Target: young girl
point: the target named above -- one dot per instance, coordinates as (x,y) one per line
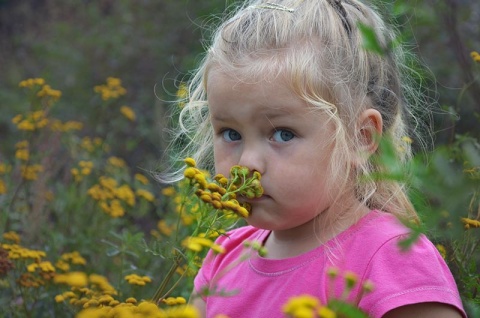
(288,90)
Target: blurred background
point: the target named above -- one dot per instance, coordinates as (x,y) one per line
(151,45)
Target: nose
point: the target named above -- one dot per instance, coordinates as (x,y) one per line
(253,157)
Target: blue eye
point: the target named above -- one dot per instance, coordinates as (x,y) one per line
(231,135)
(283,135)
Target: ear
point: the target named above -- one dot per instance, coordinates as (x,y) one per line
(368,132)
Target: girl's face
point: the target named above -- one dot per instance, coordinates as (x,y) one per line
(263,125)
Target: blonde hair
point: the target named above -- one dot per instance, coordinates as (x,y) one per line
(317,46)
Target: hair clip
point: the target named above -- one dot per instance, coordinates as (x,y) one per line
(273,6)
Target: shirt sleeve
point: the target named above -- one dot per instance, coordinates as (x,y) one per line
(406,277)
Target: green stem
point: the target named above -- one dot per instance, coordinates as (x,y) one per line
(159,294)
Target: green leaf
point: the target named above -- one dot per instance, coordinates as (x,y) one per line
(370,40)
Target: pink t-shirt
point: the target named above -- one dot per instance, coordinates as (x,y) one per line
(258,287)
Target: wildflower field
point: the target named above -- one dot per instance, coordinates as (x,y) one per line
(87,231)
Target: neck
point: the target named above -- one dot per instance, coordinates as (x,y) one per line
(306,237)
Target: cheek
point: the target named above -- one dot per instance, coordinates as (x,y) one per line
(222,162)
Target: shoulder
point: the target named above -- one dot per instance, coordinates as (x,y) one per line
(401,276)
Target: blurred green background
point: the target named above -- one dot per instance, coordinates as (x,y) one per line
(151,45)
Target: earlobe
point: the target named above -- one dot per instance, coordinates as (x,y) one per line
(369,131)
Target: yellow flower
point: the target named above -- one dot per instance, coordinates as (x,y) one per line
(74,258)
(141,178)
(169,191)
(30,172)
(3,187)
(470,223)
(117,162)
(325,312)
(74,279)
(185,311)
(12,236)
(442,250)
(22,154)
(190,162)
(134,279)
(131,300)
(172,301)
(112,89)
(128,113)
(475,56)
(126,194)
(147,195)
(30,82)
(301,306)
(47,91)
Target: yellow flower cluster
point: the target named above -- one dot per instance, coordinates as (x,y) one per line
(134,279)
(73,258)
(32,82)
(47,91)
(86,291)
(442,250)
(110,196)
(173,301)
(31,121)
(16,251)
(128,113)
(117,162)
(22,150)
(470,223)
(221,193)
(73,279)
(475,56)
(141,178)
(143,310)
(12,237)
(307,306)
(197,243)
(84,169)
(58,125)
(44,266)
(91,144)
(111,90)
(30,172)
(145,194)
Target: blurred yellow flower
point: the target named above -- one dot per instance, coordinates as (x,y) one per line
(22,154)
(3,187)
(475,56)
(141,178)
(12,236)
(30,172)
(134,279)
(30,82)
(117,162)
(128,113)
(172,301)
(147,195)
(442,250)
(111,90)
(47,91)
(169,191)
